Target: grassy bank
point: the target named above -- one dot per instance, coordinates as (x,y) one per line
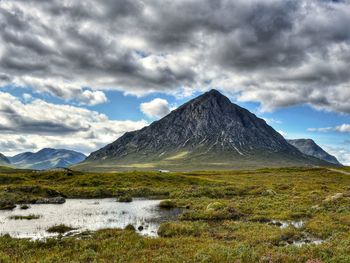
(227,217)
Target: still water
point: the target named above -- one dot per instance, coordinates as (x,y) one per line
(86,214)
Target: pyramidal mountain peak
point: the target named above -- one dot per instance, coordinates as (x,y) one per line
(204,133)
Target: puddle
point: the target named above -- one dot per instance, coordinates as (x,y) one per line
(300,243)
(307,240)
(285,224)
(87,214)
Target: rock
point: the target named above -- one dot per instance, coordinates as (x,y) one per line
(53,200)
(140,228)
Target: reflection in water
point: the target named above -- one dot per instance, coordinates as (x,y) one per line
(87,214)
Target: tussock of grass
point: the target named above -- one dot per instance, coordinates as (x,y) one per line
(27,217)
(60,229)
(125,199)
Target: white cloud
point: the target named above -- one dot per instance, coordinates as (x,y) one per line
(156,108)
(283,133)
(343,128)
(64,90)
(38,124)
(27,97)
(341,153)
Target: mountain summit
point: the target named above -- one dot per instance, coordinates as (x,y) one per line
(208,132)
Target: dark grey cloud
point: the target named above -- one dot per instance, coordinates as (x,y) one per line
(279,53)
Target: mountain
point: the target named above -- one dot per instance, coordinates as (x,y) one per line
(309,147)
(4,161)
(46,159)
(208,132)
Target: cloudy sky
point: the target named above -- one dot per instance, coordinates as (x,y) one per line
(78,74)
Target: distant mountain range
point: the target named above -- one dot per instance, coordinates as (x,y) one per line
(309,147)
(208,132)
(46,159)
(4,160)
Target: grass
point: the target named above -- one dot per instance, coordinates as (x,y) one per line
(125,199)
(60,229)
(227,217)
(27,217)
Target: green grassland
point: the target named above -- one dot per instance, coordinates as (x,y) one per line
(203,159)
(226,216)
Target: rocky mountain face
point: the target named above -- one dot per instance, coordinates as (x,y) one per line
(208,131)
(309,147)
(4,160)
(46,159)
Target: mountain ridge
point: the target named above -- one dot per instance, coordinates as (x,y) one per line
(46,158)
(309,147)
(4,160)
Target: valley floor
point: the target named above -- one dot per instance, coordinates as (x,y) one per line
(264,215)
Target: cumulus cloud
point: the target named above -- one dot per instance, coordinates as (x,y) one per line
(156,108)
(341,153)
(343,128)
(278,53)
(37,124)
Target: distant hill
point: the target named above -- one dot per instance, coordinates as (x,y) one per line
(4,161)
(208,132)
(309,147)
(46,159)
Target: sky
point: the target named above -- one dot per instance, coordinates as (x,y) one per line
(79,74)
